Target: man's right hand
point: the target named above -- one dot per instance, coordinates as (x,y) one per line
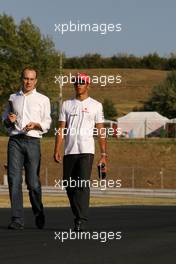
(12,117)
(57,157)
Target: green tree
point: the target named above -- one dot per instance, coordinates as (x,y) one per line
(153,61)
(20,46)
(163,97)
(8,54)
(110,111)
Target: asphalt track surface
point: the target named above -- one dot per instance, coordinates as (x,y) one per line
(148,237)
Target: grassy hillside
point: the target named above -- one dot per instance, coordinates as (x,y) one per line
(133,91)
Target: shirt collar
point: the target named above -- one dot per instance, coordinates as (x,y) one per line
(81,101)
(32,92)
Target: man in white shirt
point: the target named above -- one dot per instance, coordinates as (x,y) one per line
(27,117)
(77,120)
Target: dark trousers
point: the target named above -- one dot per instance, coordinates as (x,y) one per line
(24,152)
(78,167)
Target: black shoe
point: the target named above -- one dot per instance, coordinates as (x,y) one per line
(78,226)
(15,226)
(40,220)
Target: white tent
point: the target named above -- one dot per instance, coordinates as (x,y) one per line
(141,124)
(172,121)
(110,122)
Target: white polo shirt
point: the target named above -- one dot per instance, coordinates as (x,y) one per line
(34,107)
(80,118)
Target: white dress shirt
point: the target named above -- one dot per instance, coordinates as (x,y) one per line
(80,118)
(33,107)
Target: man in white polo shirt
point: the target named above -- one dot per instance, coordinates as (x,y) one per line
(27,118)
(78,118)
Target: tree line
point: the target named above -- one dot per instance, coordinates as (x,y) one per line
(150,61)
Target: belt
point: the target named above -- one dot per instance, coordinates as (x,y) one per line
(23,136)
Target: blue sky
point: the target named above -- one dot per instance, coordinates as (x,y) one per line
(147,26)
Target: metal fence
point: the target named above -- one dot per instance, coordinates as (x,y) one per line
(131,177)
(147,177)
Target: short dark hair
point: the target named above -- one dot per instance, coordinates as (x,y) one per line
(29,69)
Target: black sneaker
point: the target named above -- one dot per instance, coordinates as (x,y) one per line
(78,226)
(15,226)
(40,220)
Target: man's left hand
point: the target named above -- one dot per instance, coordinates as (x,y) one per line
(103,160)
